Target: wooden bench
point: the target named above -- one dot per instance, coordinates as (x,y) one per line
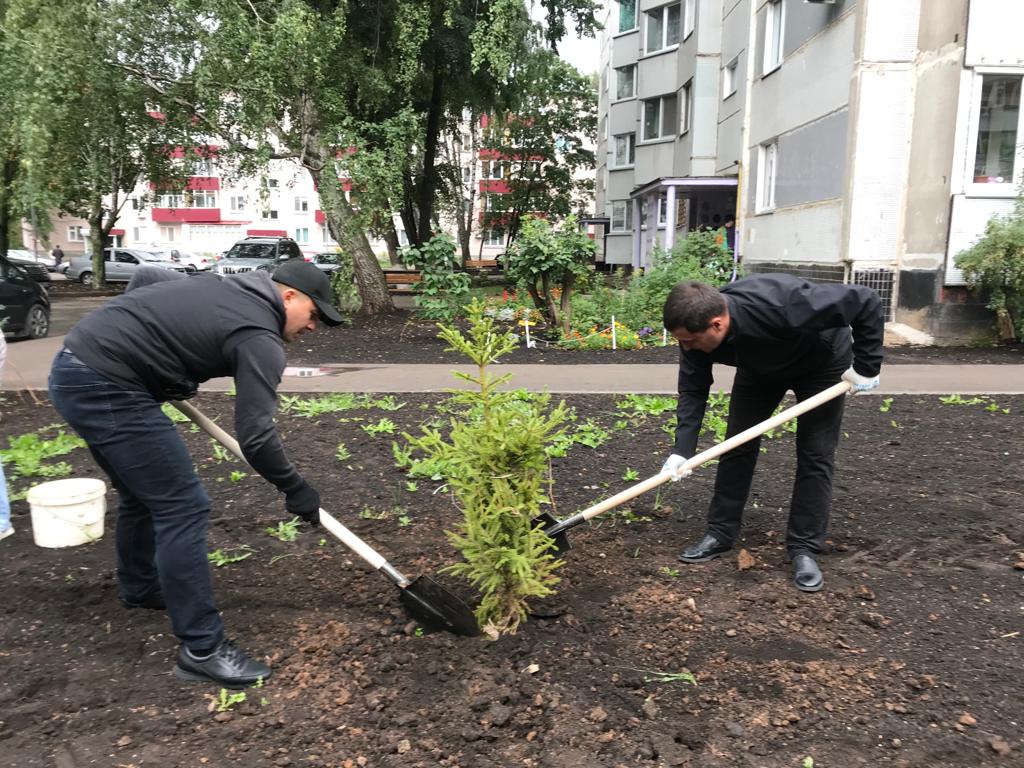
(401,281)
(482,265)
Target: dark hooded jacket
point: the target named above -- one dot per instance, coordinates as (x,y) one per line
(167,334)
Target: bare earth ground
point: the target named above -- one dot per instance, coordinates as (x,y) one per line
(911,655)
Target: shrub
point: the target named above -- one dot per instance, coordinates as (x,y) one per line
(443,291)
(495,462)
(995,264)
(343,285)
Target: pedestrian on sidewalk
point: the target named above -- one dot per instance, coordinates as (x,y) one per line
(781,333)
(58,256)
(157,342)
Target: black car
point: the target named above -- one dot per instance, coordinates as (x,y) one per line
(24,305)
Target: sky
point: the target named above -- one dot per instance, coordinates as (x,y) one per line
(582,53)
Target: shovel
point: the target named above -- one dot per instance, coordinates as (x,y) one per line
(426,601)
(556,528)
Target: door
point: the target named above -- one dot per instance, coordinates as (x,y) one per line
(123,266)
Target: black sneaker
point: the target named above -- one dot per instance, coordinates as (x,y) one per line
(228,666)
(151,603)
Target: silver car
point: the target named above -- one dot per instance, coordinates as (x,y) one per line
(120,265)
(257,253)
(192,262)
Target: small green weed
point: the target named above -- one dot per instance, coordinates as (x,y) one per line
(341,453)
(958,400)
(630,475)
(404,521)
(285,531)
(318,406)
(236,476)
(220,453)
(642,406)
(590,434)
(411,486)
(227,700)
(673,572)
(668,677)
(222,557)
(368,513)
(386,403)
(382,427)
(26,453)
(629,516)
(886,405)
(172,413)
(994,408)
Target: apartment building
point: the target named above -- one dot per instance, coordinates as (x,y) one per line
(862,141)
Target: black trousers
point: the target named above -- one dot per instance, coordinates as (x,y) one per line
(753,400)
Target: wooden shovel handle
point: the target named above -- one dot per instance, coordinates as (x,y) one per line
(717,450)
(349,539)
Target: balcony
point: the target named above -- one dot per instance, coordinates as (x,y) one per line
(186,215)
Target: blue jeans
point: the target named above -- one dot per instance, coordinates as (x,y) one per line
(163,511)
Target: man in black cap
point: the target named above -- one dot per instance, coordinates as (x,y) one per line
(157,342)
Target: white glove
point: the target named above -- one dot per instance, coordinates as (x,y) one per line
(860,383)
(672,466)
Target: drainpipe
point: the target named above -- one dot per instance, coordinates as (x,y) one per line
(743,172)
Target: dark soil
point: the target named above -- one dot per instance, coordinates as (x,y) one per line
(401,338)
(910,656)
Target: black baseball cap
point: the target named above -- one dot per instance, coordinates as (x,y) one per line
(308,278)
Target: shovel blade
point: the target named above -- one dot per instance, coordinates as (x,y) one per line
(561,540)
(436,608)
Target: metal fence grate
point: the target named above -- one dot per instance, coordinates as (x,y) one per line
(879,280)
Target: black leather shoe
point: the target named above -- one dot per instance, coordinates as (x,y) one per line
(151,603)
(706,549)
(806,574)
(228,666)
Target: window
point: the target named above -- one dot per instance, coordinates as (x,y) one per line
(627,15)
(325,235)
(169,200)
(167,234)
(271,183)
(622,215)
(625,82)
(201,199)
(467,174)
(302,234)
(138,234)
(773,37)
(625,150)
(767,160)
(238,203)
(996,153)
(662,27)
(689,17)
(729,78)
(136,204)
(493,170)
(660,117)
(203,168)
(685,107)
(662,210)
(302,205)
(495,238)
(269,214)
(77,233)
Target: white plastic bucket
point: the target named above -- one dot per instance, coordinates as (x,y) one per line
(66,513)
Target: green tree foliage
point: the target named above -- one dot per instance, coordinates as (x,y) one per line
(995,265)
(494,459)
(539,138)
(549,262)
(442,290)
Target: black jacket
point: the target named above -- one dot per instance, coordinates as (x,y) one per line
(165,336)
(780,329)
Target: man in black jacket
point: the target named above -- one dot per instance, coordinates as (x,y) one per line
(158,342)
(781,333)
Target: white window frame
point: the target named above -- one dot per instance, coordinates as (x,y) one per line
(662,133)
(494,237)
(774,21)
(238,203)
(1008,189)
(272,183)
(685,107)
(630,142)
(201,198)
(618,74)
(662,210)
(170,200)
(767,172)
(636,15)
(77,233)
(203,167)
(689,20)
(493,170)
(167,234)
(325,235)
(622,214)
(663,44)
(729,73)
(270,214)
(302,234)
(302,205)
(138,234)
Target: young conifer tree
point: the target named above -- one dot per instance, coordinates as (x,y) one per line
(495,462)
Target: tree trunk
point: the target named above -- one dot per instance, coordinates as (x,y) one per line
(9,171)
(391,238)
(551,309)
(566,306)
(408,210)
(341,219)
(428,179)
(99,264)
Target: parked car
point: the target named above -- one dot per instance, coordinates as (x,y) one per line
(120,265)
(25,256)
(34,270)
(24,305)
(326,262)
(193,262)
(257,253)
